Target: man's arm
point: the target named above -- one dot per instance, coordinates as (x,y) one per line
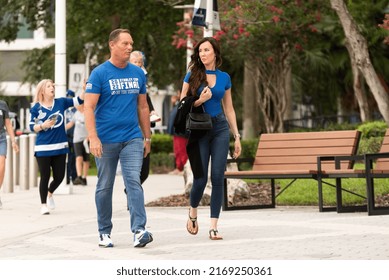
(144,121)
(90,102)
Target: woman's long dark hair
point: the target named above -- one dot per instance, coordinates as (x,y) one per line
(198,76)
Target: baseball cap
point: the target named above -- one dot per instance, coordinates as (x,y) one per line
(70,93)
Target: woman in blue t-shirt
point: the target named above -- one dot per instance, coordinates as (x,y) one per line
(212,88)
(51,146)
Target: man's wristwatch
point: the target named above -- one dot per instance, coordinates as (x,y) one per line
(237,136)
(147,139)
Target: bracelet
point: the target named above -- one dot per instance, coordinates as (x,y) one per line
(237,136)
(147,139)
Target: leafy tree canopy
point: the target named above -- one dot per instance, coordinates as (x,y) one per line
(89,24)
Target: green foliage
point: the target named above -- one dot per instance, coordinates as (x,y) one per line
(370,145)
(373,129)
(249,147)
(161,143)
(90,22)
(36,14)
(39,65)
(372,136)
(305,192)
(162,161)
(340,126)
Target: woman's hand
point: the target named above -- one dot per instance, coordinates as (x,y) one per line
(238,148)
(206,94)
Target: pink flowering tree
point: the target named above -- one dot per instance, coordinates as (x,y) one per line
(385,25)
(267,35)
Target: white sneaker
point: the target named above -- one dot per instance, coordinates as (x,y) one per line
(105,241)
(44,210)
(50,203)
(142,237)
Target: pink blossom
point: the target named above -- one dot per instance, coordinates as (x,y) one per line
(189,33)
(298,47)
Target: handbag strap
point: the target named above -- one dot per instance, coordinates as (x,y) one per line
(191,107)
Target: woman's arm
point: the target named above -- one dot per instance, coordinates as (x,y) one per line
(229,111)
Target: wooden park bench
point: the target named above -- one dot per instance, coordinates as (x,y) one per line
(294,156)
(375,166)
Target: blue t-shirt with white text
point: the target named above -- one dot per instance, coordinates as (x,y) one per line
(116,111)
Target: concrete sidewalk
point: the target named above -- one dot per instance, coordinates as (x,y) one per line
(283,233)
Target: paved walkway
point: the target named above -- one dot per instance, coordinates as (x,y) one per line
(283,233)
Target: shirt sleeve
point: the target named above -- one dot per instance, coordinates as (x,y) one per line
(228,82)
(186,78)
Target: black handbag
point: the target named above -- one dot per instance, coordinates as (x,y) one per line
(198,121)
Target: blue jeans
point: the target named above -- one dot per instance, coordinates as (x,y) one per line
(3,144)
(214,145)
(130,155)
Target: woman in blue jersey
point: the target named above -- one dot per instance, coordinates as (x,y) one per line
(212,90)
(48,121)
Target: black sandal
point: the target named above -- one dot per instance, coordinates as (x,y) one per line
(195,225)
(213,235)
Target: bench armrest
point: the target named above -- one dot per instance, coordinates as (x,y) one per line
(337,160)
(369,158)
(240,160)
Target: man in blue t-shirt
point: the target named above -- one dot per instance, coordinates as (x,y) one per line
(118,125)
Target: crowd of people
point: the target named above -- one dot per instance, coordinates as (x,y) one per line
(112,118)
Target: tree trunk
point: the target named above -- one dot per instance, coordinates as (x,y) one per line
(251,114)
(359,53)
(288,91)
(359,93)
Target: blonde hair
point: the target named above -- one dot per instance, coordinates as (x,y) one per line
(40,90)
(137,54)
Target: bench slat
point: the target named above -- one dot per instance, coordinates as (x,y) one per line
(287,160)
(300,143)
(295,166)
(306,151)
(308,135)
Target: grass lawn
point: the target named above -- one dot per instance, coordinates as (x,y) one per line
(304,192)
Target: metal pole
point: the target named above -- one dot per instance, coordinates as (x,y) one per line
(60,65)
(208,31)
(24,155)
(60,48)
(33,165)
